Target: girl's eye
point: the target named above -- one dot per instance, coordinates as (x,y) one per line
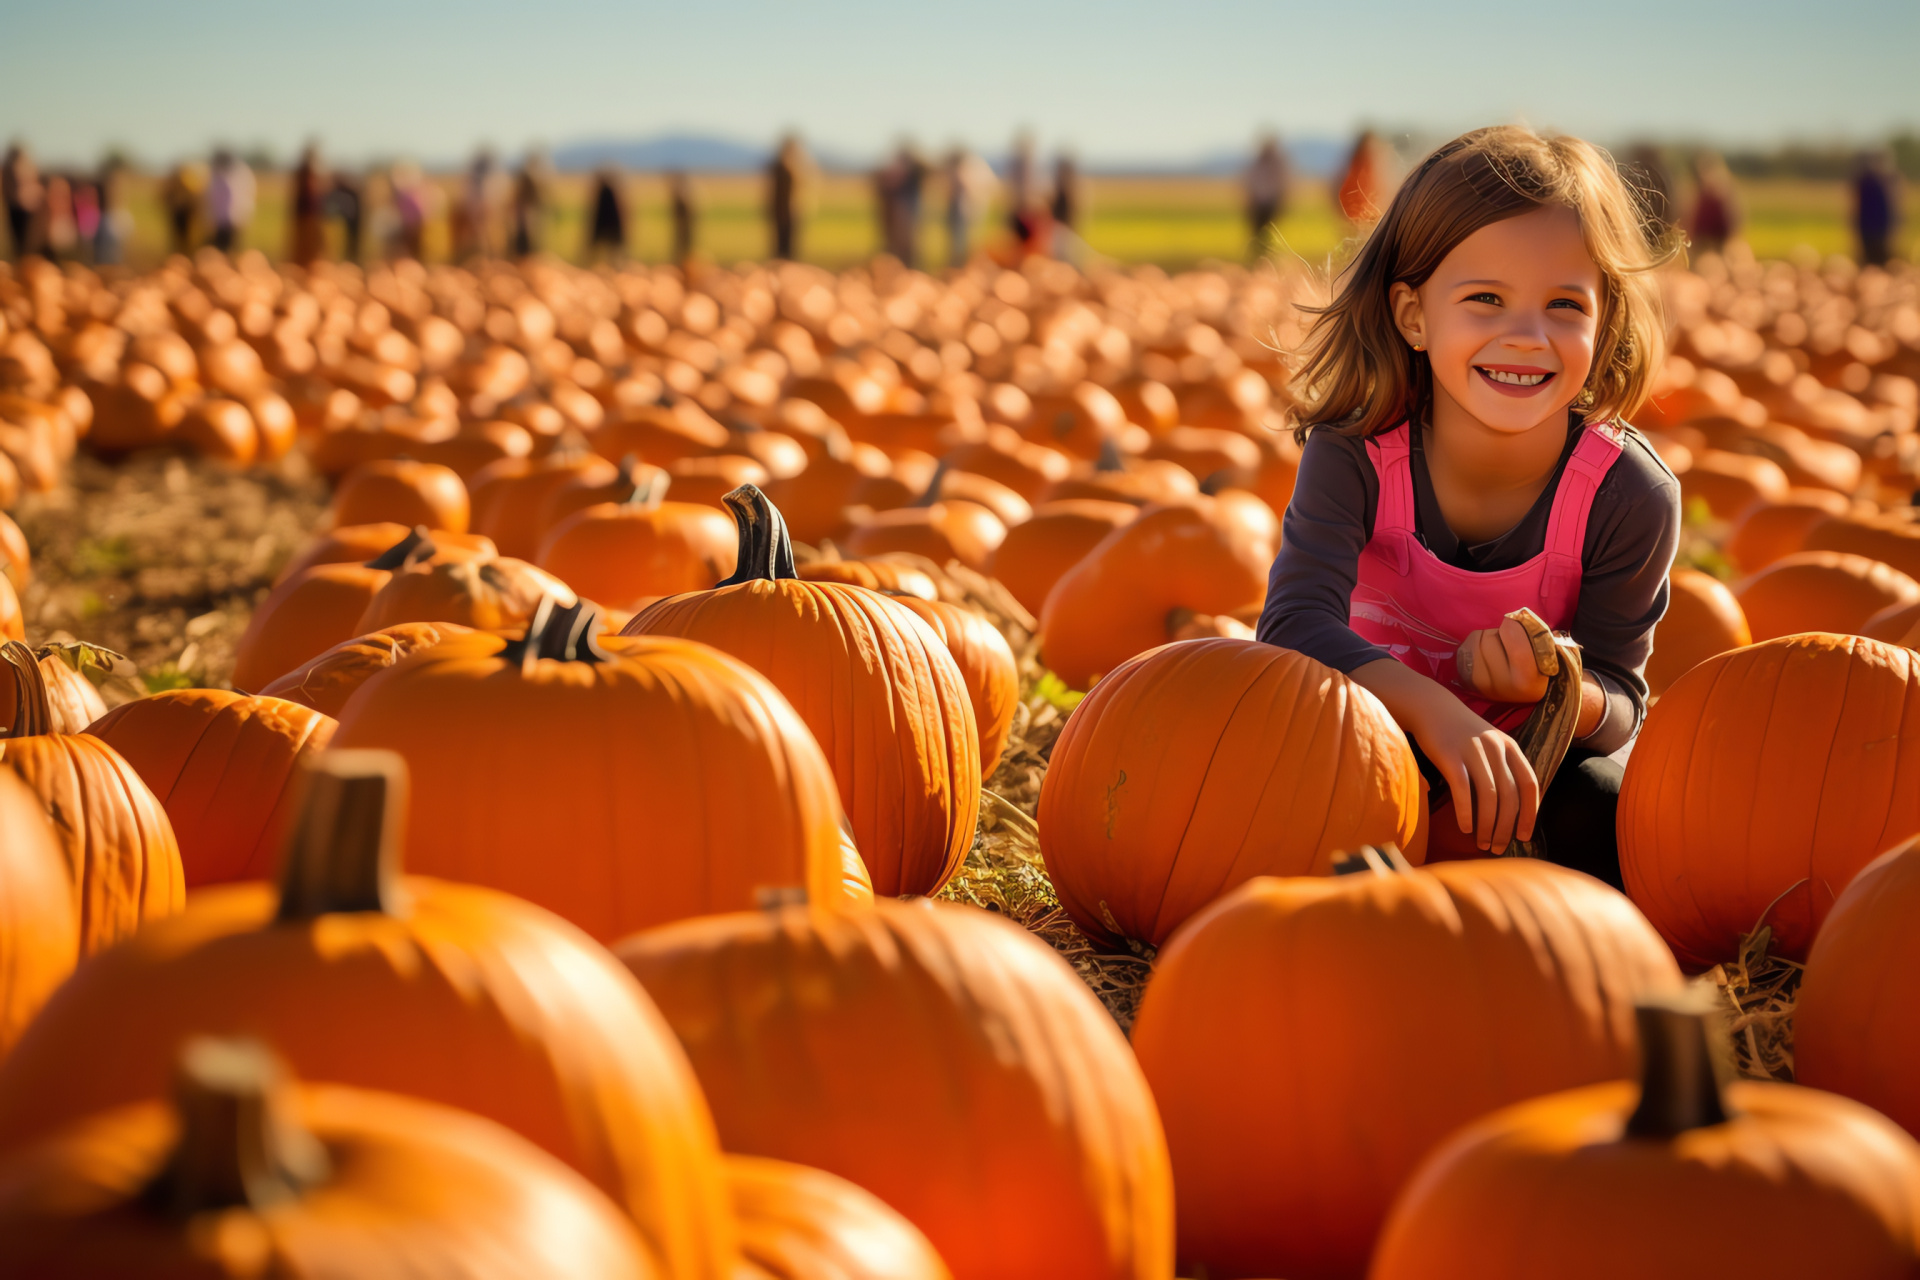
(1494,298)
(1568,303)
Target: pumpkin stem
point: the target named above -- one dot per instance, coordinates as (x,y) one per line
(1383,860)
(32,711)
(778,897)
(407,552)
(1679,1088)
(563,632)
(1110,458)
(931,494)
(643,491)
(766,552)
(344,853)
(238,1146)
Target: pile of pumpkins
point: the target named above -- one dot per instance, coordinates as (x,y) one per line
(574,826)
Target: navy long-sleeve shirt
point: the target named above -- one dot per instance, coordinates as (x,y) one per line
(1633,529)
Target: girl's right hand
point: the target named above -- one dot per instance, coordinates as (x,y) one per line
(1495,794)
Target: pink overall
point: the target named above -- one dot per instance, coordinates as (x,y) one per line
(1419,608)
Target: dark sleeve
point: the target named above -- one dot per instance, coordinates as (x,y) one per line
(1327,523)
(1632,533)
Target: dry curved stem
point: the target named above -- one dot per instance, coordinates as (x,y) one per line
(766,550)
(1679,1087)
(415,548)
(239,1147)
(32,711)
(344,851)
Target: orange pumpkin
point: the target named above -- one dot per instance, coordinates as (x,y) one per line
(303,1181)
(326,682)
(480,445)
(223,765)
(13,621)
(1764,779)
(1002,455)
(405,492)
(875,1044)
(1703,618)
(895,577)
(1848,1037)
(815,500)
(1034,555)
(1207,555)
(16,558)
(660,433)
(1771,530)
(708,480)
(723,793)
(798,1223)
(1199,765)
(56,696)
(986,664)
(1887,537)
(634,550)
(510,496)
(1115,478)
(1822,591)
(39,928)
(953,529)
(1896,624)
(1006,503)
(220,429)
(883,697)
(1730,483)
(450,993)
(632,481)
(1206,451)
(1310,1040)
(492,595)
(1080,422)
(1821,1186)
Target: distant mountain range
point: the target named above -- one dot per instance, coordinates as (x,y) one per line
(702,153)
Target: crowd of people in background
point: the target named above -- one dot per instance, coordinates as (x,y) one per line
(71,215)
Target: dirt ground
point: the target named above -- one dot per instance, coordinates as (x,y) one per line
(162,558)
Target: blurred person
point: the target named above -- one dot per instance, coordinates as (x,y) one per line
(1023,183)
(886,186)
(230,194)
(23,192)
(345,202)
(910,187)
(682,210)
(1876,208)
(608,231)
(58,233)
(1267,184)
(309,199)
(185,185)
(1716,208)
(1362,189)
(1065,206)
(785,178)
(86,217)
(970,186)
(479,208)
(411,203)
(116,220)
(1647,175)
(529,207)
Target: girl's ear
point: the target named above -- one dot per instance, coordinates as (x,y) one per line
(1408,318)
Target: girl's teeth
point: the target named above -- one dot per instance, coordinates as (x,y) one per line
(1517,379)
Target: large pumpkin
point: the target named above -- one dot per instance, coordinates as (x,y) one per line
(1205,555)
(448,992)
(1853,1033)
(39,928)
(1821,591)
(1036,554)
(326,682)
(223,765)
(1667,1177)
(1202,764)
(798,1223)
(1310,1040)
(625,553)
(947,1061)
(1764,779)
(619,790)
(120,853)
(880,692)
(1703,618)
(246,1174)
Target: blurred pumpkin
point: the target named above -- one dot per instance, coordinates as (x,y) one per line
(492,595)
(1821,591)
(1703,618)
(1034,555)
(39,928)
(404,492)
(327,681)
(1771,530)
(632,550)
(986,664)
(798,1223)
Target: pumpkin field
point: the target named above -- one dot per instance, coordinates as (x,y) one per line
(524,769)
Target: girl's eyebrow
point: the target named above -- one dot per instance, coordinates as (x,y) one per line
(1568,288)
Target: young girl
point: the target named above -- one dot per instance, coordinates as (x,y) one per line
(1467,455)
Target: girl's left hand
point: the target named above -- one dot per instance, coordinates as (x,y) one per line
(1498,664)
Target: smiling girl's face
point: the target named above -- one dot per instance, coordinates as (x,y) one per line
(1509,320)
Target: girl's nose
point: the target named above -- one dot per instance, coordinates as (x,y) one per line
(1527,331)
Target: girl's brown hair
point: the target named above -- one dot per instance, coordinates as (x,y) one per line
(1359,377)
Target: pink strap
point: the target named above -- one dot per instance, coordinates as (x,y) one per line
(1593,457)
(1392,462)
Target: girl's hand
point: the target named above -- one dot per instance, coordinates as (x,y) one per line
(1495,794)
(1498,663)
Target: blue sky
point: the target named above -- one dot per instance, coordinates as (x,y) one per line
(1118,80)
